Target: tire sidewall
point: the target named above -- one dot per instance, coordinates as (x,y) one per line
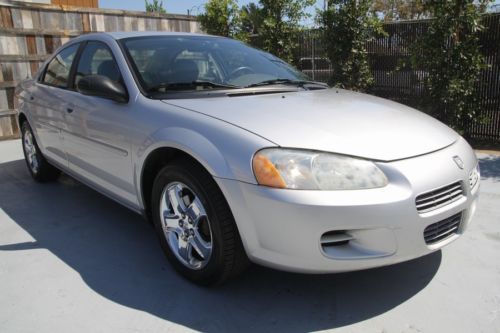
(24,129)
(189,177)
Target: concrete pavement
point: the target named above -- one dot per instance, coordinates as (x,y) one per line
(72,260)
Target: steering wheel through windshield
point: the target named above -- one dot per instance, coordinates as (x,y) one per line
(241,70)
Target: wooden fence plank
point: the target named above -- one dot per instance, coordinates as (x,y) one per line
(6,130)
(22,57)
(6,17)
(7,72)
(4,104)
(8,84)
(17,19)
(31,44)
(8,112)
(40,32)
(85,22)
(49,44)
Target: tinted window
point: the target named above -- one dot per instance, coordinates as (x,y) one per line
(58,70)
(180,59)
(97,59)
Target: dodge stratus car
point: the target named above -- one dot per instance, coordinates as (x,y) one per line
(237,157)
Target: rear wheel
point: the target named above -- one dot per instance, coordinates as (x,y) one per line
(38,166)
(194,223)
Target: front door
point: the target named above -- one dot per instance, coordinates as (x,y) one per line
(96,138)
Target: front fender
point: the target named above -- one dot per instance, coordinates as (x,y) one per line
(225,152)
(190,142)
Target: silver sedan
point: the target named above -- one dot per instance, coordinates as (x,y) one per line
(236,157)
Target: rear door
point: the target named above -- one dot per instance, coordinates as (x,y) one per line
(49,102)
(98,129)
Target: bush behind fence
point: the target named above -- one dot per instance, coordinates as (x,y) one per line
(404,85)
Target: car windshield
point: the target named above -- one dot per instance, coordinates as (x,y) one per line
(166,63)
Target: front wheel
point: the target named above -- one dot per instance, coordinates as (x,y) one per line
(38,166)
(194,223)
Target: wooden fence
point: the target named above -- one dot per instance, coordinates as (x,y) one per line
(31,32)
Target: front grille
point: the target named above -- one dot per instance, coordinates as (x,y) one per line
(443,229)
(439,198)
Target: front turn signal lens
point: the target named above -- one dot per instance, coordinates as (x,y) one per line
(266,173)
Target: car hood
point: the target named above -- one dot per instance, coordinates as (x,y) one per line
(332,120)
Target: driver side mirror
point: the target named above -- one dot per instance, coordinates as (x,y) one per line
(104,87)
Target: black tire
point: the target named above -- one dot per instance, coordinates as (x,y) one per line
(228,257)
(43,171)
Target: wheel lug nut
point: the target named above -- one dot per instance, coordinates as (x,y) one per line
(181,223)
(191,232)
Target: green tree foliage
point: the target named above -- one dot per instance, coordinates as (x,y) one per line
(281,25)
(252,18)
(395,10)
(347,25)
(155,6)
(449,52)
(222,18)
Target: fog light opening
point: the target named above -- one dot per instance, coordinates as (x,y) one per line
(335,238)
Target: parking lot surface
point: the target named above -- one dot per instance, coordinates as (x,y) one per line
(72,260)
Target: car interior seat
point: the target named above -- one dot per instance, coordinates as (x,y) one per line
(108,68)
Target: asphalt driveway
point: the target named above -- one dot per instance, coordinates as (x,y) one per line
(72,260)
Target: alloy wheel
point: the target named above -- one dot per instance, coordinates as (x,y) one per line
(185,225)
(30,150)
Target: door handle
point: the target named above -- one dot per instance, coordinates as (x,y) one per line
(69,110)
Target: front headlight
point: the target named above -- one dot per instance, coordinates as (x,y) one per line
(310,170)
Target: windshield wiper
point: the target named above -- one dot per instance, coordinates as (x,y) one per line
(193,84)
(298,83)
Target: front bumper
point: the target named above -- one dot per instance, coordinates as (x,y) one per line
(283,228)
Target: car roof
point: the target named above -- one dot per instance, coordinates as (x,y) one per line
(129,34)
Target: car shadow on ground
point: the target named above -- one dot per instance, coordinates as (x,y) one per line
(117,255)
(490,167)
